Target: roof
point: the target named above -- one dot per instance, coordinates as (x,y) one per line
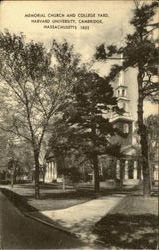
(129,150)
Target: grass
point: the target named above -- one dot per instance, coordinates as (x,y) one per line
(133,224)
(52,197)
(19,201)
(134,204)
(128,232)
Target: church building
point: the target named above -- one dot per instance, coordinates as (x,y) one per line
(128,166)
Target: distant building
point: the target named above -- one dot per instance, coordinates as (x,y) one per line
(51,173)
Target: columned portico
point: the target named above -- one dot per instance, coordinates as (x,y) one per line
(135,170)
(156,173)
(51,172)
(118,170)
(129,169)
(126,173)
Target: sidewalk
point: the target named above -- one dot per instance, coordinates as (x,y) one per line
(80,219)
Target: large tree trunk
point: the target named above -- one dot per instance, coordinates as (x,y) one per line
(143,138)
(96,173)
(139,164)
(63,182)
(13,175)
(12,180)
(15,178)
(122,166)
(37,188)
(95,160)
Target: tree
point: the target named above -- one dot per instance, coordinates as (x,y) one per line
(62,144)
(152,124)
(34,87)
(3,149)
(16,156)
(87,114)
(141,53)
(68,66)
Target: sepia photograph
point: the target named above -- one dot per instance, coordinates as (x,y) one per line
(79,124)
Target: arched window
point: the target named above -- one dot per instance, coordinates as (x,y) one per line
(126,128)
(123,92)
(124,106)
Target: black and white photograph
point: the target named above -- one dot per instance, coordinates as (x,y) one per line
(79,124)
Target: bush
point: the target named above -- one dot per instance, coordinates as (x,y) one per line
(72,174)
(4,182)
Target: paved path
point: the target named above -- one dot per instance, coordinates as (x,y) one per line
(20,232)
(80,219)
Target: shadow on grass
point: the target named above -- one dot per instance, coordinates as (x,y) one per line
(68,195)
(68,198)
(42,186)
(111,191)
(85,192)
(19,201)
(128,231)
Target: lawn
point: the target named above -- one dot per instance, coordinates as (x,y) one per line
(52,197)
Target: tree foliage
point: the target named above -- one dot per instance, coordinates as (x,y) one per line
(87,114)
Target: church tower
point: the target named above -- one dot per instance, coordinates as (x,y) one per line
(124,122)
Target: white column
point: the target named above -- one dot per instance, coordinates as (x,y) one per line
(156,173)
(126,176)
(101,170)
(53,170)
(93,178)
(50,171)
(141,174)
(47,172)
(118,169)
(135,171)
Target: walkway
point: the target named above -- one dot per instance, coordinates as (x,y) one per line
(81,218)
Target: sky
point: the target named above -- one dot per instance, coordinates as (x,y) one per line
(119,12)
(114,28)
